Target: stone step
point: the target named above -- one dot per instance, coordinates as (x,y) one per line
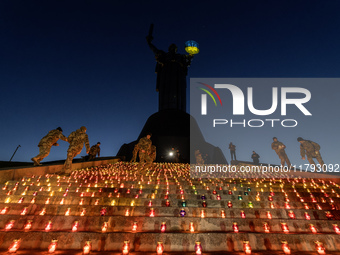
(174,242)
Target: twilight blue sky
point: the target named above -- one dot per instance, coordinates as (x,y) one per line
(74,63)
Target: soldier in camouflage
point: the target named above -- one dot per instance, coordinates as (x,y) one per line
(46,143)
(280,151)
(152,153)
(312,150)
(134,153)
(95,149)
(144,146)
(76,140)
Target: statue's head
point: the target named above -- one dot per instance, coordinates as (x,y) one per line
(173,48)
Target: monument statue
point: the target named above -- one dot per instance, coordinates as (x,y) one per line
(171,69)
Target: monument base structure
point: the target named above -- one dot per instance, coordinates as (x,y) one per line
(173,128)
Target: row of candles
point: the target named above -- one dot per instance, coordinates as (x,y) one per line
(122,171)
(104,229)
(103,211)
(160,182)
(15,245)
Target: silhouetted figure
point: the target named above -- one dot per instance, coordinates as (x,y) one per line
(199,158)
(232,149)
(280,151)
(311,150)
(46,143)
(177,156)
(94,151)
(255,157)
(134,153)
(144,146)
(77,139)
(171,69)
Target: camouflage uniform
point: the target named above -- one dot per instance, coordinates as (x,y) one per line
(311,149)
(152,153)
(198,156)
(76,140)
(95,149)
(280,151)
(134,153)
(144,144)
(46,143)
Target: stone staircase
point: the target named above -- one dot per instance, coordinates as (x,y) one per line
(101,205)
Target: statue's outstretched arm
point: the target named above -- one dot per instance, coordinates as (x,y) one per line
(152,47)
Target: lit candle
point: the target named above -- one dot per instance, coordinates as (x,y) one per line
(313,228)
(202,214)
(4,210)
(287,206)
(159,248)
(243,215)
(266,227)
(48,226)
(87,247)
(67,213)
(336,228)
(152,212)
(163,227)
(246,247)
(284,227)
(126,247)
(9,225)
(198,248)
(291,215)
(53,246)
(103,211)
(285,247)
(24,211)
(75,226)
(14,246)
(191,227)
(319,248)
(222,213)
(28,225)
(307,216)
(105,227)
(42,212)
(329,215)
(235,227)
(134,226)
(83,211)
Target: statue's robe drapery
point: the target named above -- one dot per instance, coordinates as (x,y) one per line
(171,72)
